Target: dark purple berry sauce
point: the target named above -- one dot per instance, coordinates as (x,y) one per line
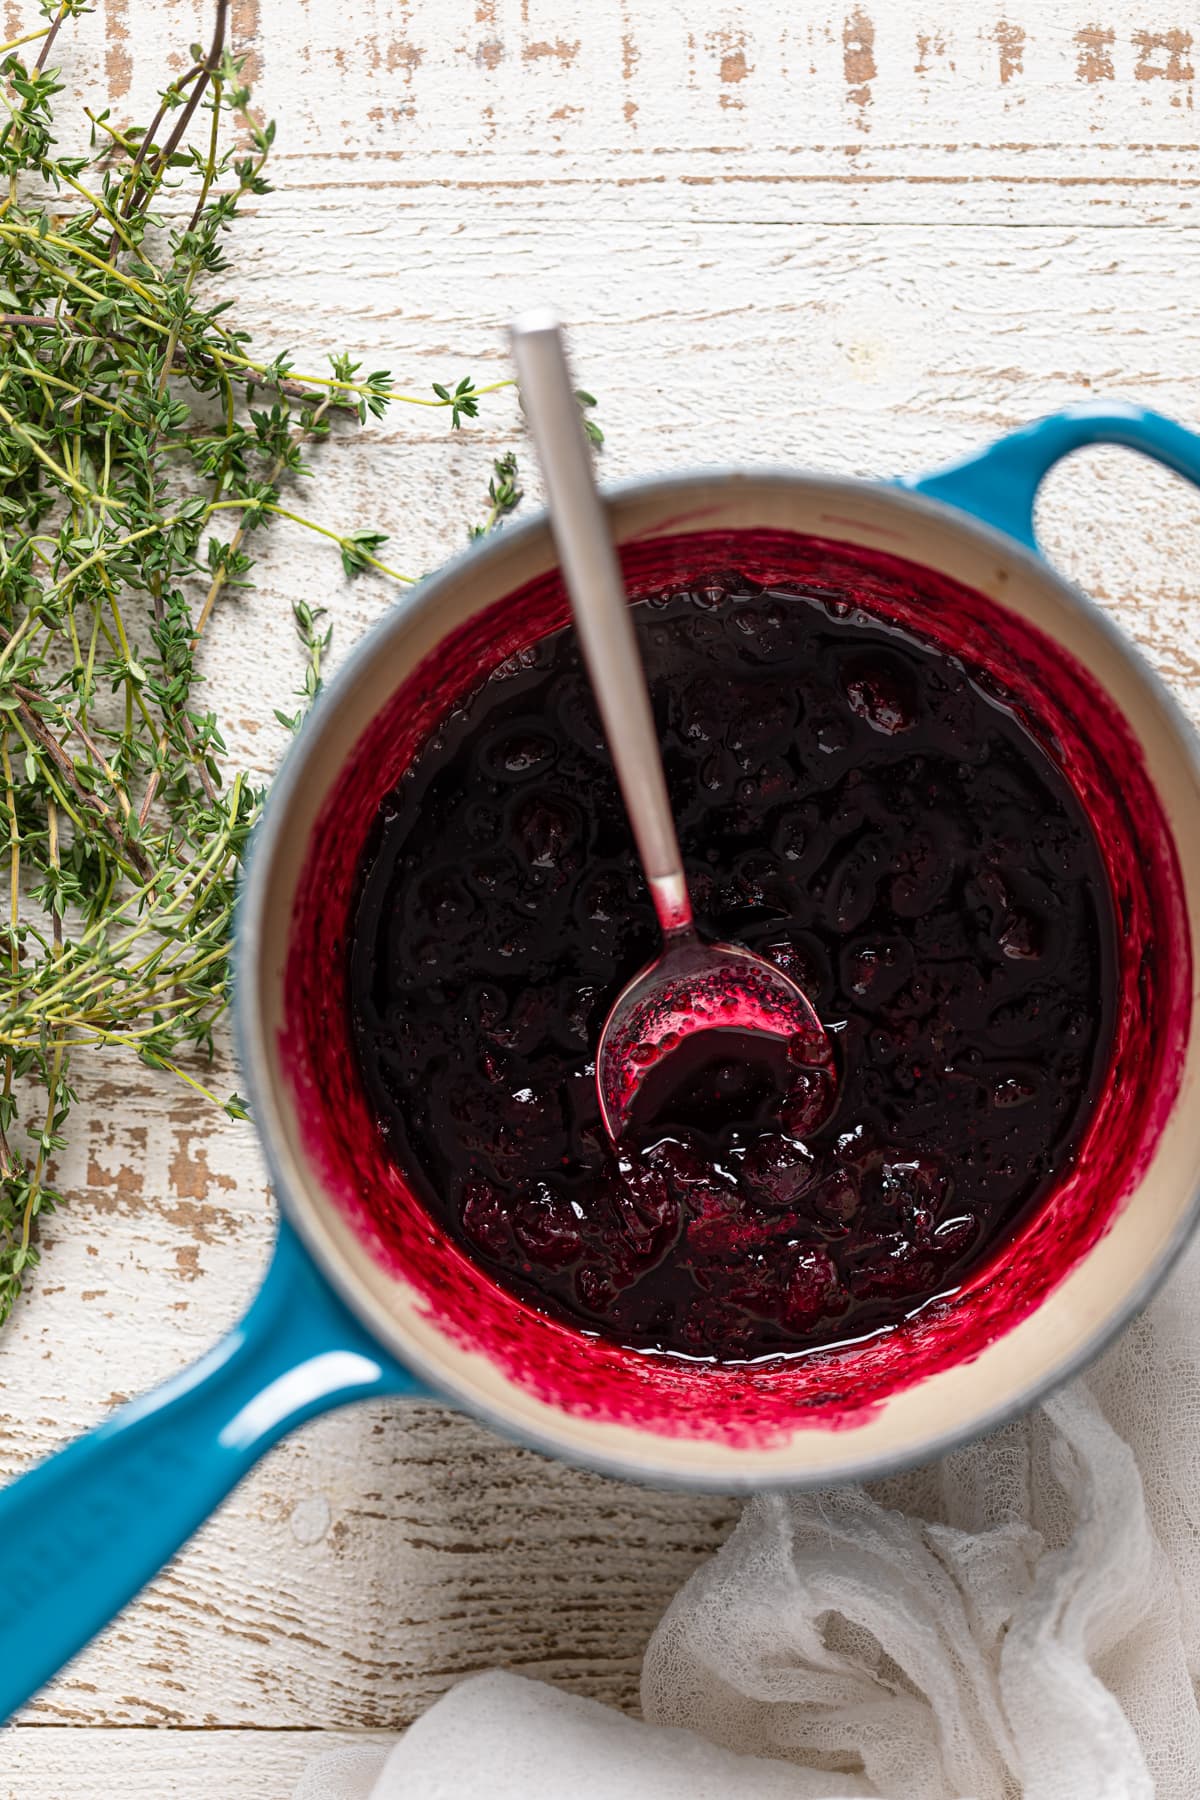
(852,804)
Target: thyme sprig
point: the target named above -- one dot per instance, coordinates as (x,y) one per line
(503,492)
(143,450)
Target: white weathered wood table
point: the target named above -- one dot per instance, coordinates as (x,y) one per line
(863,237)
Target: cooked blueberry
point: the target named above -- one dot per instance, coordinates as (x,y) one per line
(884,693)
(546,1228)
(807,1102)
(485,1216)
(810,1285)
(778,1169)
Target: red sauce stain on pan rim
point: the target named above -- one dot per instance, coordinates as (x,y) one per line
(755,1405)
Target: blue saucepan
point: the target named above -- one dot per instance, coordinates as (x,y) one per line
(337,1319)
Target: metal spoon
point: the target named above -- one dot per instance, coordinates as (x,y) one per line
(691,986)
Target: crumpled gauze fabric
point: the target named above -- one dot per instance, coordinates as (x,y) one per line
(1019,1621)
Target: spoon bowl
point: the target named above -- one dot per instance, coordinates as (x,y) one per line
(695,987)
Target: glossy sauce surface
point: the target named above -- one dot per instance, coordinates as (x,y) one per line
(853,805)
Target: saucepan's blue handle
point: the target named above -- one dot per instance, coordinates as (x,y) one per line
(999,484)
(85,1530)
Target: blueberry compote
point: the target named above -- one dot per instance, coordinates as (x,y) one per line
(853,804)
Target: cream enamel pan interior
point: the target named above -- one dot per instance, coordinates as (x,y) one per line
(1093,1300)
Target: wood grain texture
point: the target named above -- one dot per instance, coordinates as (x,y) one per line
(851,236)
(60,1764)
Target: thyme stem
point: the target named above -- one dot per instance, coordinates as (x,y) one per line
(122,823)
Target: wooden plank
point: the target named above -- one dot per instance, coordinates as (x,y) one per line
(1059,112)
(537,80)
(56,1763)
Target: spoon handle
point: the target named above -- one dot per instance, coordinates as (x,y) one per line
(601,610)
